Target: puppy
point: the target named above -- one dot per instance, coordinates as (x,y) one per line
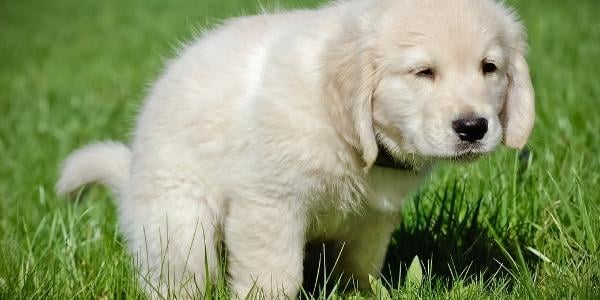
(278,129)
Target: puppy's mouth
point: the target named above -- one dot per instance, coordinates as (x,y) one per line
(466,152)
(467,156)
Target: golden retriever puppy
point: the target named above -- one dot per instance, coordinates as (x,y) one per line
(278,129)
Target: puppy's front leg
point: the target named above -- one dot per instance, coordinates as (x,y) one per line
(364,247)
(264,240)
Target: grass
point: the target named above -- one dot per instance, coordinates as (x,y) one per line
(508,226)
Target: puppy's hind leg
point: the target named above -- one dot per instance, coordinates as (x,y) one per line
(172,228)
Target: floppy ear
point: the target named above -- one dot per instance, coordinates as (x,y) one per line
(349,78)
(518,114)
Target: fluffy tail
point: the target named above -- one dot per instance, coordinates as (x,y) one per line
(107,163)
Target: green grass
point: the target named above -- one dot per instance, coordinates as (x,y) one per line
(72,72)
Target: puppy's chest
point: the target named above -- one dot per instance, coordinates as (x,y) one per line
(390,187)
(388,190)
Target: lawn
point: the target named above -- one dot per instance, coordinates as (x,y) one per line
(513,225)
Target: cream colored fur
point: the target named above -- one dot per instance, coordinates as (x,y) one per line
(263,134)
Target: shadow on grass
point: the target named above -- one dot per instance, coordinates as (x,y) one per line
(456,239)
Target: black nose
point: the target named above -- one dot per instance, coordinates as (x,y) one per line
(470,129)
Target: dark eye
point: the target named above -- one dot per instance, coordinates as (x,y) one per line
(489,67)
(425,73)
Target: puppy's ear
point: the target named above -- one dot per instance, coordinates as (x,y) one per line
(349,82)
(518,114)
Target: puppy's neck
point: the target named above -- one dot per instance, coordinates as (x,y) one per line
(386,160)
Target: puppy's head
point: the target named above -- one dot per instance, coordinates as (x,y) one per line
(437,78)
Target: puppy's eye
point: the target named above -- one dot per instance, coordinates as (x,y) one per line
(426,73)
(489,68)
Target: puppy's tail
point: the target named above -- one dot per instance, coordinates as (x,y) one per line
(107,163)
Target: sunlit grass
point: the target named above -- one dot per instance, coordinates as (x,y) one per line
(508,226)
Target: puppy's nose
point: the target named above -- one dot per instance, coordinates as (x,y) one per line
(470,129)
